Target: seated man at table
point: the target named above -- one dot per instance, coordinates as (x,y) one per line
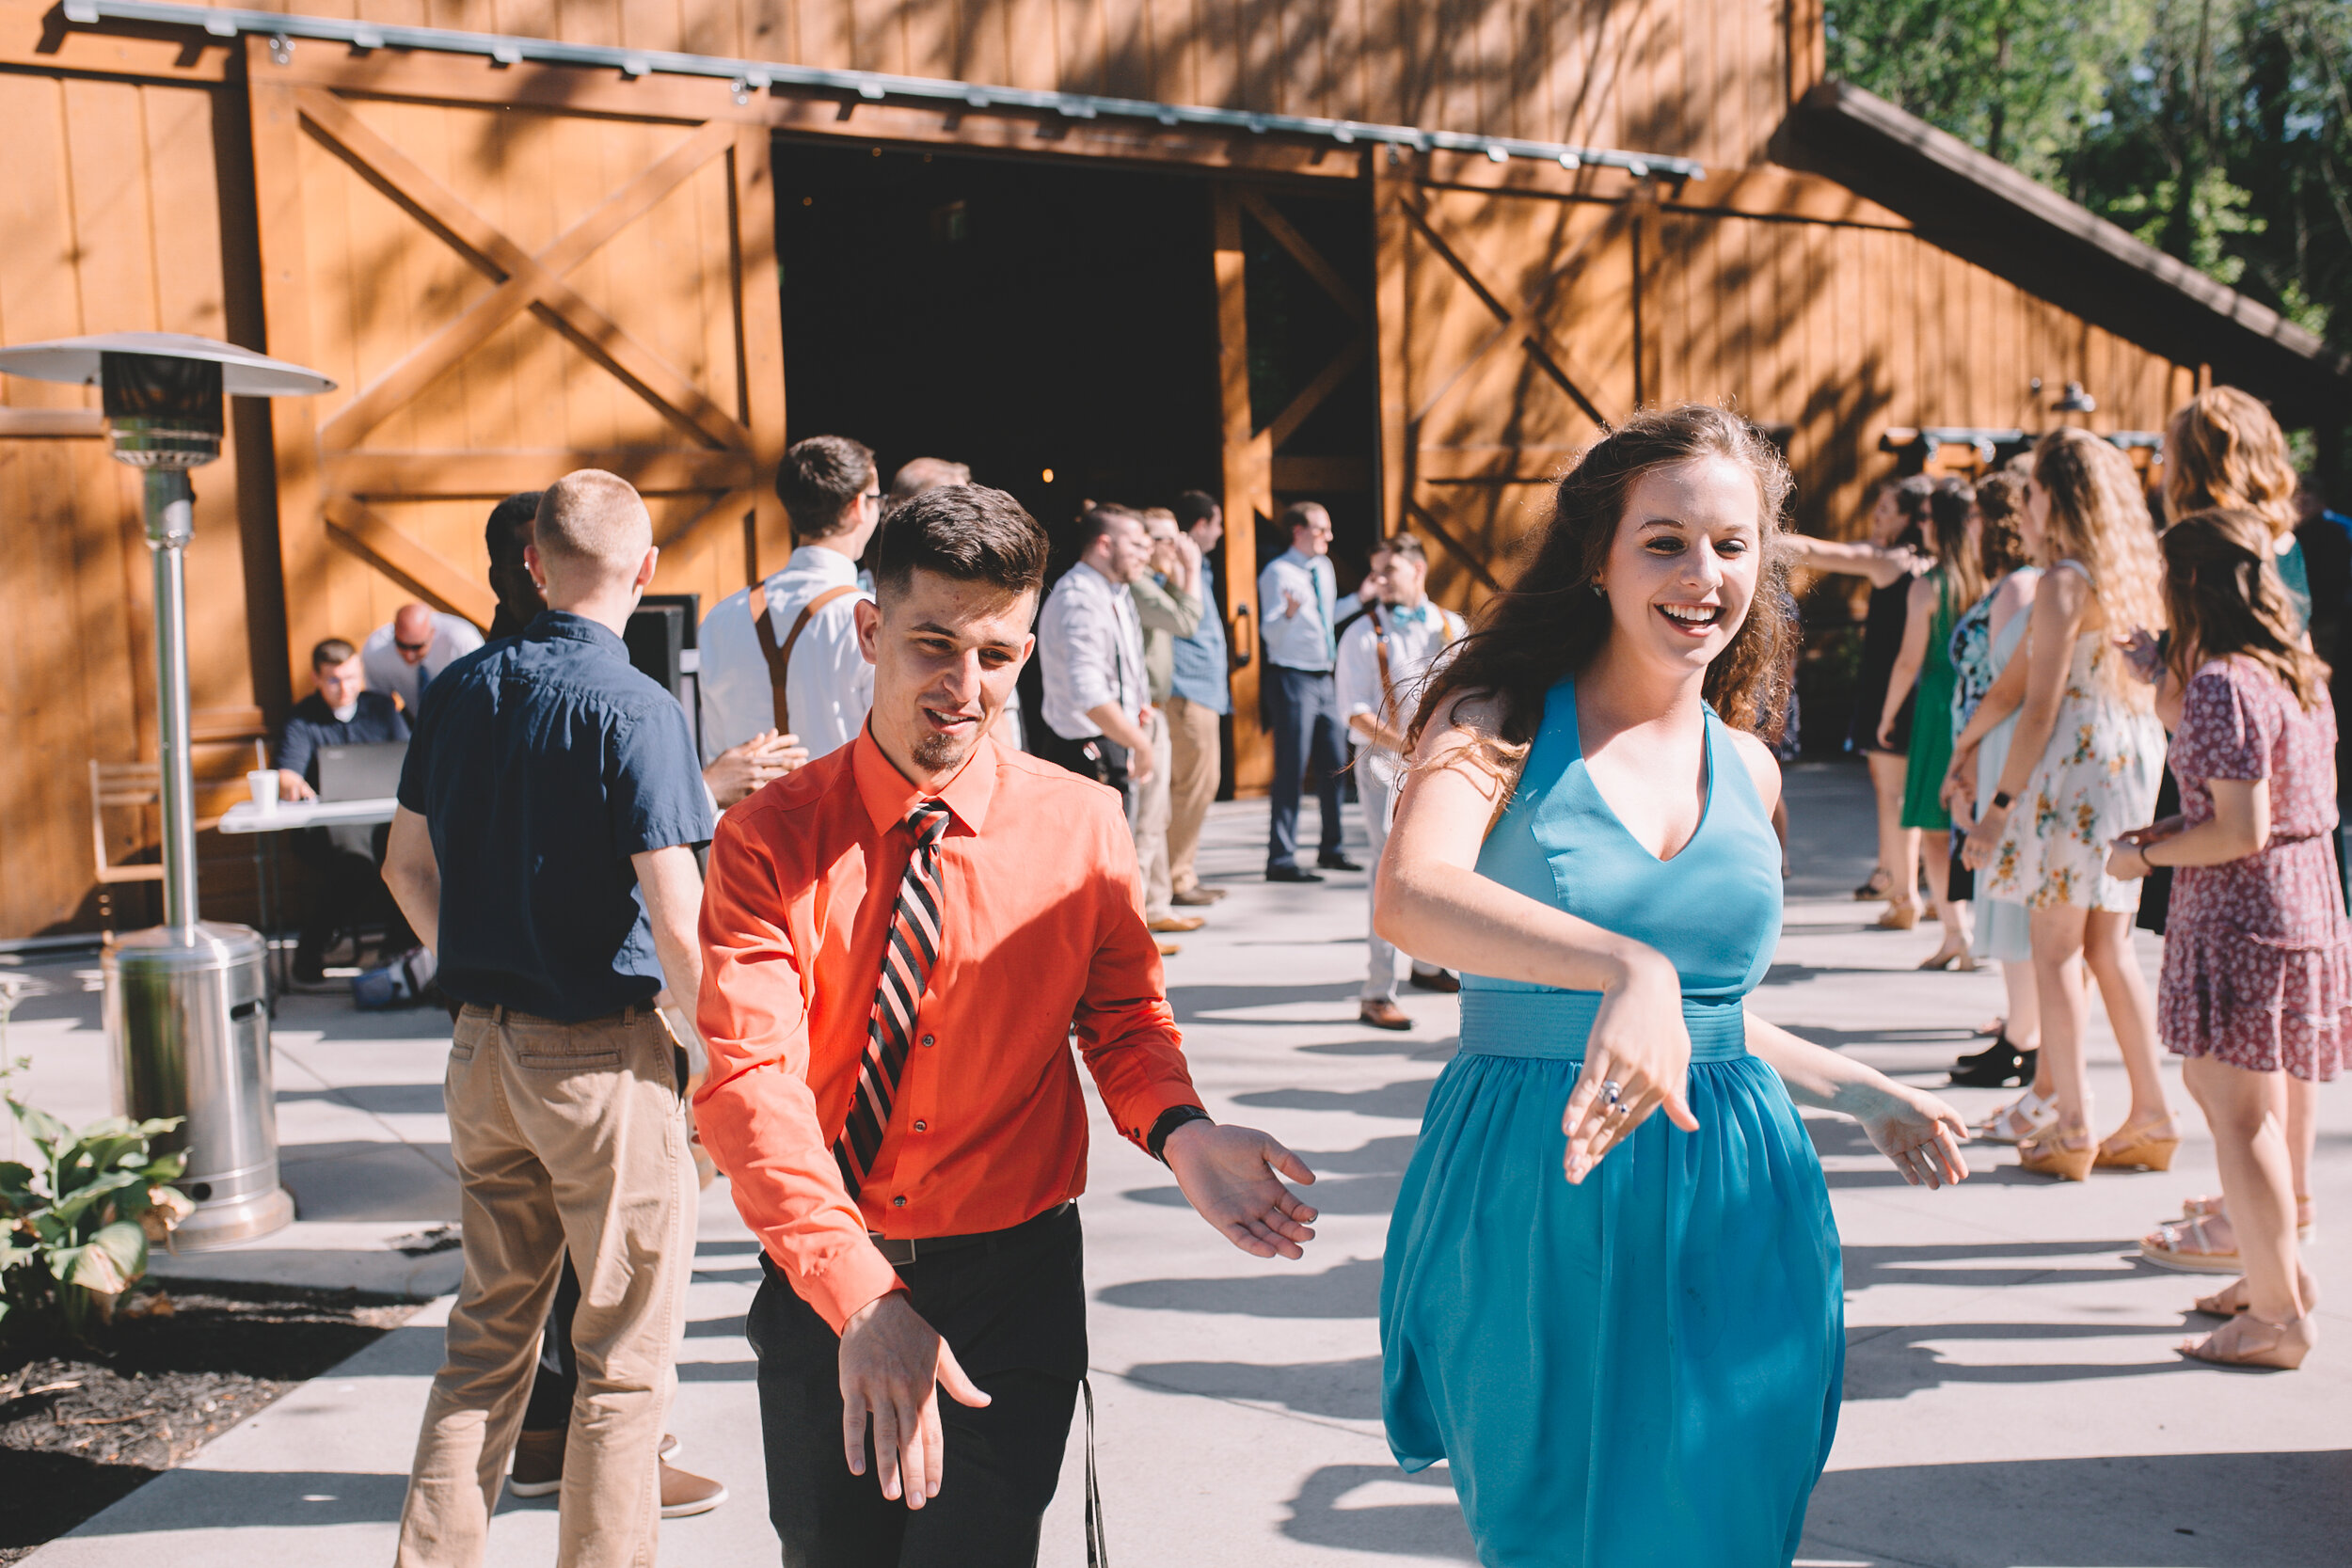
(342,860)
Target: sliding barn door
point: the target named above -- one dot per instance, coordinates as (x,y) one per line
(505,294)
(1296,396)
(1509,333)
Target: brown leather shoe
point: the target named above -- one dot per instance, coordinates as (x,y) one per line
(538,1470)
(685,1494)
(1178,923)
(1170,949)
(1195,897)
(1381,1013)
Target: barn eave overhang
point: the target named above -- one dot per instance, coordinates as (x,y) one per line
(1985,212)
(751,77)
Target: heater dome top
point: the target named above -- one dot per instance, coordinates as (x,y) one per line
(243,372)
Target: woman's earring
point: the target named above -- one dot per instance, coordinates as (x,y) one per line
(1598,591)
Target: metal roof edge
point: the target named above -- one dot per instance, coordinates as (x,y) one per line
(753,76)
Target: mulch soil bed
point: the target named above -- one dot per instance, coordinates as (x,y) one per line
(82,1425)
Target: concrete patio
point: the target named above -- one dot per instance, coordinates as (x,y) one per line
(2011,1398)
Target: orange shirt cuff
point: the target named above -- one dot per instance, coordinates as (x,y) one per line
(851,1281)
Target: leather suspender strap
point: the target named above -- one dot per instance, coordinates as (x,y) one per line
(1381,647)
(780,658)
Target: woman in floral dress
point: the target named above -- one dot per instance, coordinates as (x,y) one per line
(2081,769)
(2257,984)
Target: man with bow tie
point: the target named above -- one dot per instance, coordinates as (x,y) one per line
(1383,656)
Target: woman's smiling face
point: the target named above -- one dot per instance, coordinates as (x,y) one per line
(1683,567)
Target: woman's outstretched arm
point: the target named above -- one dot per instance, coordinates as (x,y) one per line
(1881,565)
(1910,1127)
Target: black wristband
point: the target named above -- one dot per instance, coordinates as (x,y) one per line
(2000,799)
(1170,1119)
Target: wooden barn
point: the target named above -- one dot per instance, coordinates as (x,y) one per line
(1400,256)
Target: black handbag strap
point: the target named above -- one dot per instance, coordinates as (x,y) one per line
(1098,1549)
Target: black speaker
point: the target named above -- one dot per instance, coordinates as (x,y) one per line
(659,632)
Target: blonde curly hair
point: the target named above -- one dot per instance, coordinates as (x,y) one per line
(2224,449)
(2099,517)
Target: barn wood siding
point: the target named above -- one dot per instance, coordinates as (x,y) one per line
(112,210)
(1827,326)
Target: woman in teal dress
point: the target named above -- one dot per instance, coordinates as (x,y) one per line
(1638,1364)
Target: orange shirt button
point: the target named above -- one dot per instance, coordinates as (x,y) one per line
(922,1127)
(897,1203)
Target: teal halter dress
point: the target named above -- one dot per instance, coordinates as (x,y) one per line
(1643,1370)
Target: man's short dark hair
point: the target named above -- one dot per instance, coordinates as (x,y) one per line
(1098,517)
(509,527)
(967,531)
(1300,514)
(819,480)
(1194,506)
(334,651)
(1401,543)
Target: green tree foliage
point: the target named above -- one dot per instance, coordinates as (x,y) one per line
(2218,131)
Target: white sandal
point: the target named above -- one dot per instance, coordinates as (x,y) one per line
(2018,1121)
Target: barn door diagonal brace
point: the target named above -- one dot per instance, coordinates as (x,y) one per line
(1524,325)
(406,183)
(424,364)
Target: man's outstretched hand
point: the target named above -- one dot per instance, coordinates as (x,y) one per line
(1229,1175)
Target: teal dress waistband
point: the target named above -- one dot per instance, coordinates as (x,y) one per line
(1555,1024)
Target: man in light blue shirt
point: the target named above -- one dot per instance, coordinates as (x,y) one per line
(1295,599)
(1200,697)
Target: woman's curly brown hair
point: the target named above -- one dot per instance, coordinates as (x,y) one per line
(1550,621)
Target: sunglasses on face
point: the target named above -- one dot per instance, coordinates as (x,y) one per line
(411,647)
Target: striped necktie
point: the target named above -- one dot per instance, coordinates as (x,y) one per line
(908,956)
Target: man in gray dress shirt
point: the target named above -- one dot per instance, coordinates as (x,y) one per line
(1295,599)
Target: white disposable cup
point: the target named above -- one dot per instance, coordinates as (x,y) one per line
(263,782)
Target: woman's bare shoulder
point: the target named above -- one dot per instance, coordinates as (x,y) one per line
(1763,767)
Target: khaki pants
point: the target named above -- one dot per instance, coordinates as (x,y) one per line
(564,1134)
(1194,738)
(1147,817)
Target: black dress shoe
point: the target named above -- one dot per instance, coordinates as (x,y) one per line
(1995,1068)
(1337,862)
(1443,980)
(1999,1048)
(1289,873)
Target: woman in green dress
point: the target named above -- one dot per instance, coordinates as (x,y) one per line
(1938,598)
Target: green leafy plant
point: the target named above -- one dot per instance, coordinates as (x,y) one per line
(77,1229)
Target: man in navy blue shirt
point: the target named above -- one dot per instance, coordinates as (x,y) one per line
(345,889)
(549,812)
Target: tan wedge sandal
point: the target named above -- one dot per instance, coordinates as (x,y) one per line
(2248,1341)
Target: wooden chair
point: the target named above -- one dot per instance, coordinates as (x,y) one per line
(225,744)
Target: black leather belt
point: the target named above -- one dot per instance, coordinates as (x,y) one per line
(903,1250)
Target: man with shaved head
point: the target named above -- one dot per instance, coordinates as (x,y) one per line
(402,657)
(549,815)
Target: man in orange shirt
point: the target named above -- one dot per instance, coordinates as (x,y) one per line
(900,939)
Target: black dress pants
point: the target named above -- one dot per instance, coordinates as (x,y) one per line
(1013,1310)
(1302,710)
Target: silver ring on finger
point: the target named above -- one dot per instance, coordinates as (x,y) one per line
(1612,1092)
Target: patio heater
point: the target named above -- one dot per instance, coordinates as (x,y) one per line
(187,1015)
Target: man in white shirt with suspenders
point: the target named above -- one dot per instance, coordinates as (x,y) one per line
(797,668)
(1382,658)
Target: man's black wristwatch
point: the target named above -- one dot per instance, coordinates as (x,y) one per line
(1170,1119)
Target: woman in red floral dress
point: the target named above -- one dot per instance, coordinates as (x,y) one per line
(2257,979)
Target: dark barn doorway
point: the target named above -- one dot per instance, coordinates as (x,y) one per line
(1053,327)
(1054,324)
